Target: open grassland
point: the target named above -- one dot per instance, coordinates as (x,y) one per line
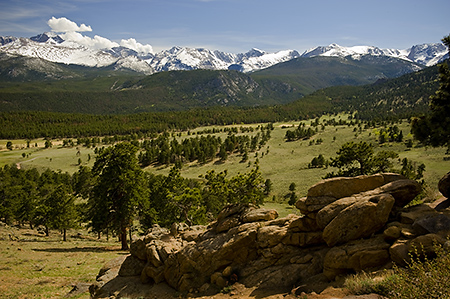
(280,161)
(35,266)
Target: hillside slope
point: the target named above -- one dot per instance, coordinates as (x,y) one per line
(105,91)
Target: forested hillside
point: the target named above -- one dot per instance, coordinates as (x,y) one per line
(394,98)
(386,99)
(39,85)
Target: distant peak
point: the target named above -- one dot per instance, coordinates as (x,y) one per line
(44,37)
(255,52)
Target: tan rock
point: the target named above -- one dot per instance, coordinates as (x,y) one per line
(153,256)
(317,203)
(404,191)
(444,185)
(227,272)
(301,205)
(408,216)
(436,224)
(392,233)
(226,224)
(218,279)
(156,274)
(399,252)
(269,236)
(254,215)
(194,233)
(303,239)
(333,187)
(359,220)
(304,224)
(425,245)
(138,249)
(328,213)
(356,256)
(131,266)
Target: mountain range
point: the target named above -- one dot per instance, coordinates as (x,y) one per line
(52,48)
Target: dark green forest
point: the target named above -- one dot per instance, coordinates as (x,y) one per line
(392,99)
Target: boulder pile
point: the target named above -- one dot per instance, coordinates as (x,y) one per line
(347,225)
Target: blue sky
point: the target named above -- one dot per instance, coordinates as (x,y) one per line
(236,26)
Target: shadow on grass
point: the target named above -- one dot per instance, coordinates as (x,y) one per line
(83,249)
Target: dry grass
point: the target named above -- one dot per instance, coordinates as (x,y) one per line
(422,278)
(35,266)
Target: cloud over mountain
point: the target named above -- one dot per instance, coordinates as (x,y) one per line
(134,45)
(66,25)
(70,31)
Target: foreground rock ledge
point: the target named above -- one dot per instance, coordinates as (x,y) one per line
(349,225)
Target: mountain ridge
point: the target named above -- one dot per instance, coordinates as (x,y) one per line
(52,47)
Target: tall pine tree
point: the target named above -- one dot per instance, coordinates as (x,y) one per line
(434,129)
(120,187)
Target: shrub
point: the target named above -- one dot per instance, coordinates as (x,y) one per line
(422,278)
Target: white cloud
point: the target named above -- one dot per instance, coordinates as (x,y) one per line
(134,45)
(65,25)
(97,42)
(70,31)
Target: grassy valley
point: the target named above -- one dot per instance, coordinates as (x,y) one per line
(282,162)
(67,123)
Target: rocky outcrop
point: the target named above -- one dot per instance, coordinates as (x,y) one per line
(444,185)
(348,225)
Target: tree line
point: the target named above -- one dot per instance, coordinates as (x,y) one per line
(116,192)
(163,150)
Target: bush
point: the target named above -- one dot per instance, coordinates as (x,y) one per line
(422,278)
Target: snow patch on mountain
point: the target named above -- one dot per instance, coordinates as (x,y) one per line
(134,56)
(266,60)
(64,52)
(183,58)
(134,64)
(426,54)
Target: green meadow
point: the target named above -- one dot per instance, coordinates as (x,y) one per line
(280,161)
(46,267)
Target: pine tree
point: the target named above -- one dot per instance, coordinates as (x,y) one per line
(434,129)
(120,187)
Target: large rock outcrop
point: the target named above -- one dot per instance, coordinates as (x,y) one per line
(348,225)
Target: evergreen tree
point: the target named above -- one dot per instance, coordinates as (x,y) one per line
(292,196)
(434,129)
(355,159)
(120,187)
(61,209)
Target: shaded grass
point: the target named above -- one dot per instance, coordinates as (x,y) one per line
(45,267)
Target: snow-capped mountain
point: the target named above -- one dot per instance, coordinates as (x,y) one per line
(425,54)
(182,58)
(53,48)
(62,52)
(428,54)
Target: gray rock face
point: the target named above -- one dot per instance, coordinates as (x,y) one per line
(349,225)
